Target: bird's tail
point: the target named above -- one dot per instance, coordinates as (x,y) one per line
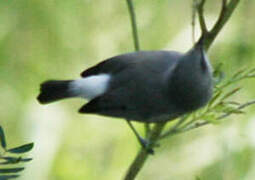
(54,90)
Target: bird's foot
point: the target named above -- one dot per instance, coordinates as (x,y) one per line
(147,145)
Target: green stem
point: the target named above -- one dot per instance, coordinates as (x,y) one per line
(225,14)
(133,24)
(131,10)
(201,17)
(143,155)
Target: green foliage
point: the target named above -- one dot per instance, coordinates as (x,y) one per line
(11,161)
(6,177)
(57,39)
(22,149)
(2,138)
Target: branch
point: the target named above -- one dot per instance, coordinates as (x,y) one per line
(201,17)
(154,135)
(200,124)
(174,131)
(133,24)
(143,155)
(239,108)
(193,21)
(131,10)
(225,14)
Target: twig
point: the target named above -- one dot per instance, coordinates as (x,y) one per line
(193,20)
(239,108)
(225,14)
(173,129)
(133,24)
(131,10)
(153,134)
(201,17)
(199,124)
(143,155)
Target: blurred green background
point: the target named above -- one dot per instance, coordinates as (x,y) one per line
(57,39)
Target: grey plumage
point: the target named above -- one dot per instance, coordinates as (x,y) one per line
(152,86)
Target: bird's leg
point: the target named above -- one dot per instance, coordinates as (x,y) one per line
(147,130)
(143,142)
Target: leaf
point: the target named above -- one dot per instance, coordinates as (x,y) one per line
(215,97)
(211,117)
(217,69)
(7,177)
(251,71)
(2,138)
(237,111)
(26,159)
(11,170)
(21,149)
(230,93)
(219,107)
(218,74)
(14,160)
(232,103)
(239,73)
(219,78)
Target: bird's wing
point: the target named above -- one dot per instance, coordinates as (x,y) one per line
(118,63)
(112,65)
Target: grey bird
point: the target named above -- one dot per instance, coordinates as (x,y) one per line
(145,86)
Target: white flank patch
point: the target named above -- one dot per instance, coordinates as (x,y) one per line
(90,87)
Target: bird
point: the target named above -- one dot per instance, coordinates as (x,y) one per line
(143,86)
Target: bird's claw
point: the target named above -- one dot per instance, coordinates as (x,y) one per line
(147,146)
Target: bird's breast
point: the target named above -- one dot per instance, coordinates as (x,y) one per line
(190,93)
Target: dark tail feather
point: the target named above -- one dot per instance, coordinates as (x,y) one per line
(54,90)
